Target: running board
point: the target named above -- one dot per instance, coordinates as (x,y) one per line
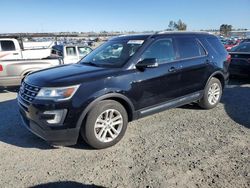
(171,104)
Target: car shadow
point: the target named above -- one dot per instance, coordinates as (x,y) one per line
(236,100)
(13,132)
(66,184)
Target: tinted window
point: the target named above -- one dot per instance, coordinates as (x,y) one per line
(8,46)
(71,51)
(216,45)
(201,50)
(162,50)
(244,47)
(189,47)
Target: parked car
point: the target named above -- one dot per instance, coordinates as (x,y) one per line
(240,60)
(13,71)
(230,44)
(70,53)
(12,49)
(245,40)
(127,78)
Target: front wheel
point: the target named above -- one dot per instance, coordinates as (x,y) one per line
(212,94)
(106,124)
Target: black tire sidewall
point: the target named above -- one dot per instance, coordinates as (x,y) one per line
(88,132)
(204,102)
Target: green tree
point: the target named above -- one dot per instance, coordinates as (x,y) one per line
(171,25)
(225,29)
(180,26)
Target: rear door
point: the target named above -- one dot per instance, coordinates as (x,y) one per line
(194,64)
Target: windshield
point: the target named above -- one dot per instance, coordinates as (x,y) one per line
(113,53)
(244,47)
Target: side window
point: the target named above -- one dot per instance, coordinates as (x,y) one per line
(71,51)
(201,50)
(162,50)
(216,45)
(8,45)
(189,47)
(83,51)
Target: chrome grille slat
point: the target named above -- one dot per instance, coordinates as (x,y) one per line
(27,93)
(22,103)
(27,101)
(30,96)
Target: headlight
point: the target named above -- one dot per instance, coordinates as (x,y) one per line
(57,93)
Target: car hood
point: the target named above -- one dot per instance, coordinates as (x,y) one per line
(66,75)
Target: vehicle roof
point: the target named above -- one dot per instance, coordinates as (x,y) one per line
(159,34)
(68,45)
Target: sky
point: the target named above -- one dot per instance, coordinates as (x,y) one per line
(120,15)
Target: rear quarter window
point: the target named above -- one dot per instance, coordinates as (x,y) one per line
(216,45)
(189,47)
(7,45)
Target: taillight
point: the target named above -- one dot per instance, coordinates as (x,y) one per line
(1,68)
(229,58)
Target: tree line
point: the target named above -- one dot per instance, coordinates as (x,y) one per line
(179,25)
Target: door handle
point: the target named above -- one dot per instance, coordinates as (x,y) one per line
(15,53)
(172,69)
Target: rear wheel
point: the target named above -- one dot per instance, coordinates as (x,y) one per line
(105,125)
(212,94)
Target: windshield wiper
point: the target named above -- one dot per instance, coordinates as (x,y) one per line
(89,63)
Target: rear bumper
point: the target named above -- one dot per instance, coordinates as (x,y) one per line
(239,70)
(62,137)
(10,81)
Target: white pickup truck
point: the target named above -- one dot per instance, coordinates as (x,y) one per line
(11,48)
(16,62)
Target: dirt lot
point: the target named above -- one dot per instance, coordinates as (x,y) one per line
(182,147)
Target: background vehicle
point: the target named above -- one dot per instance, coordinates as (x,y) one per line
(70,53)
(240,60)
(127,78)
(16,62)
(12,48)
(13,71)
(245,40)
(230,44)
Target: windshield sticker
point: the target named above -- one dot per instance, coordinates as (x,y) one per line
(135,41)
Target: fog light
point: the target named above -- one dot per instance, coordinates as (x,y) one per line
(56,116)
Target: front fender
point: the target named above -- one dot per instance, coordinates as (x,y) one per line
(99,96)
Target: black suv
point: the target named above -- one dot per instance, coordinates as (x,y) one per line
(126,78)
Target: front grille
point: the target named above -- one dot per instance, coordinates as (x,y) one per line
(27,93)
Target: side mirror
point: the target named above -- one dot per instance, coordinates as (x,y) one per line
(147,63)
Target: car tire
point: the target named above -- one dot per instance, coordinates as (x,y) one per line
(212,94)
(106,124)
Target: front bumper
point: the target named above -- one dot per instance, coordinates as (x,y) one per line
(62,135)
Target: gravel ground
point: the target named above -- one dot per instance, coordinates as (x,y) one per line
(181,147)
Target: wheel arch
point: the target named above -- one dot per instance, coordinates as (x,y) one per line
(219,75)
(123,100)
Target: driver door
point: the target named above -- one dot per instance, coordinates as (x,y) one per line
(160,84)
